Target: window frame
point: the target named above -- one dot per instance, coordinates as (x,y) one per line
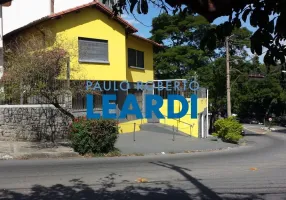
(93,61)
(136,59)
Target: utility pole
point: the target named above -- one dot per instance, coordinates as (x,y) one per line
(52,7)
(228,78)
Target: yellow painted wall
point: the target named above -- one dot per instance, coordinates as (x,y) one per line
(146,74)
(128,127)
(184,123)
(92,23)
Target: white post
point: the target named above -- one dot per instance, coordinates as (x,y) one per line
(207,134)
(203,128)
(52,8)
(228,92)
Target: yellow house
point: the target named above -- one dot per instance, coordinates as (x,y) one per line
(106,47)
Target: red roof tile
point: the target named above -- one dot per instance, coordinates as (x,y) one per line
(96,4)
(147,40)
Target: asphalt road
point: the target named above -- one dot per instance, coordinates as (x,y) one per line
(257,171)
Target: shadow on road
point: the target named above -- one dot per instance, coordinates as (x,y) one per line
(283,131)
(105,189)
(81,191)
(205,192)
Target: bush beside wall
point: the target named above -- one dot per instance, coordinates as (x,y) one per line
(93,136)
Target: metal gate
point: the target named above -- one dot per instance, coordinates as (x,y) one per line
(139,98)
(154,119)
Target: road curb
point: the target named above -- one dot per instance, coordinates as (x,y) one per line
(66,155)
(255,131)
(70,154)
(42,155)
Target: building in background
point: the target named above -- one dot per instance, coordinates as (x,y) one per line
(107,49)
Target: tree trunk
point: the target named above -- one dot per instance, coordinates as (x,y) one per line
(64,111)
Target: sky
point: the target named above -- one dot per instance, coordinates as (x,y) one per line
(24,11)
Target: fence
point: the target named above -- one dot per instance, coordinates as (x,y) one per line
(174,89)
(79,101)
(18,94)
(22,95)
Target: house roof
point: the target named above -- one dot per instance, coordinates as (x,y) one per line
(147,40)
(131,29)
(95,3)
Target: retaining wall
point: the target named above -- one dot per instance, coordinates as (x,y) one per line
(32,122)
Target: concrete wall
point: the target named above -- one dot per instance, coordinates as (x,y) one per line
(41,122)
(32,122)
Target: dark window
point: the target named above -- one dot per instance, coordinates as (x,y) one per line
(131,57)
(135,58)
(93,50)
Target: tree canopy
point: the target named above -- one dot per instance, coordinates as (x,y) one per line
(37,71)
(182,58)
(268,16)
(181,36)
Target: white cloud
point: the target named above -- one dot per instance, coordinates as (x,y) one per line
(23,12)
(251,55)
(129,19)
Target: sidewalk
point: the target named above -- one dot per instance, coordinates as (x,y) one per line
(28,150)
(154,140)
(263,130)
(162,143)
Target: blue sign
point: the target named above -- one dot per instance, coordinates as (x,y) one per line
(149,102)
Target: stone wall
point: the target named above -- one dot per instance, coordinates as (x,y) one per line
(32,123)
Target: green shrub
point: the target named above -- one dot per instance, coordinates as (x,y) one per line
(93,136)
(229,130)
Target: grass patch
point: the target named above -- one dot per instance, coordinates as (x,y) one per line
(138,154)
(114,153)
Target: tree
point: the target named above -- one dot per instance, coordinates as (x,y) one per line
(256,98)
(36,67)
(181,37)
(260,97)
(269,16)
(213,77)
